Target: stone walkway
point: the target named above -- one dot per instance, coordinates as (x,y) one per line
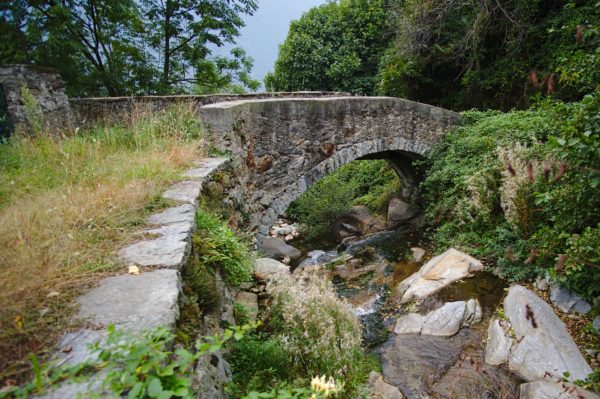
(150,299)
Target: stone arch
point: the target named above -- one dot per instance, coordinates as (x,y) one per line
(395,153)
(283,146)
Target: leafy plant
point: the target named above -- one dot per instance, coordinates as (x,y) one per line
(136,365)
(219,248)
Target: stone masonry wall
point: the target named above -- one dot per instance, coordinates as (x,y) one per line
(45,85)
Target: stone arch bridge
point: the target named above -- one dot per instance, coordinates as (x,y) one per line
(284,145)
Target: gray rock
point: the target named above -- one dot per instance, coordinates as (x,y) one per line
(356,222)
(379,389)
(183,213)
(445,321)
(436,274)
(400,212)
(417,254)
(541,283)
(249,301)
(568,301)
(596,323)
(473,312)
(543,346)
(268,269)
(212,371)
(318,257)
(411,323)
(170,249)
(498,343)
(554,390)
(413,362)
(186,191)
(276,248)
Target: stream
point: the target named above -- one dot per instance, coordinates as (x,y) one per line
(367,272)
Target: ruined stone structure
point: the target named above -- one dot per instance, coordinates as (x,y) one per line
(48,108)
(283,146)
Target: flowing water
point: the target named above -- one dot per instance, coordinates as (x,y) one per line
(421,366)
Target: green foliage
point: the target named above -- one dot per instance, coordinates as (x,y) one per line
(335,46)
(479,53)
(259,363)
(33,113)
(137,365)
(127,47)
(369,183)
(219,248)
(520,189)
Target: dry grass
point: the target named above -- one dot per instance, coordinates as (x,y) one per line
(65,207)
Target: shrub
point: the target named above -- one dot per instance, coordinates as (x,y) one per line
(260,363)
(520,189)
(319,330)
(369,183)
(219,248)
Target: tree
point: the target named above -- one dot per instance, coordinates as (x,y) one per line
(462,54)
(182,30)
(333,47)
(128,47)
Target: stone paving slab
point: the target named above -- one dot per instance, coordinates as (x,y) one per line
(170,249)
(205,167)
(182,213)
(186,191)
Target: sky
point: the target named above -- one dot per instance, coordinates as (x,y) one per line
(266,30)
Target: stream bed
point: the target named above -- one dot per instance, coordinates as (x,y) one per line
(367,272)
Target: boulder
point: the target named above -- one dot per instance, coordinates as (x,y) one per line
(498,343)
(379,389)
(276,248)
(554,390)
(400,212)
(269,269)
(249,301)
(542,346)
(356,222)
(411,323)
(445,321)
(568,301)
(417,254)
(436,274)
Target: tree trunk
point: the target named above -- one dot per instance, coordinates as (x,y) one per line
(167,48)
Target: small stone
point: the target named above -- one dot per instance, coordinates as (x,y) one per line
(379,389)
(596,323)
(568,301)
(287,238)
(133,270)
(269,269)
(287,260)
(417,254)
(52,294)
(250,302)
